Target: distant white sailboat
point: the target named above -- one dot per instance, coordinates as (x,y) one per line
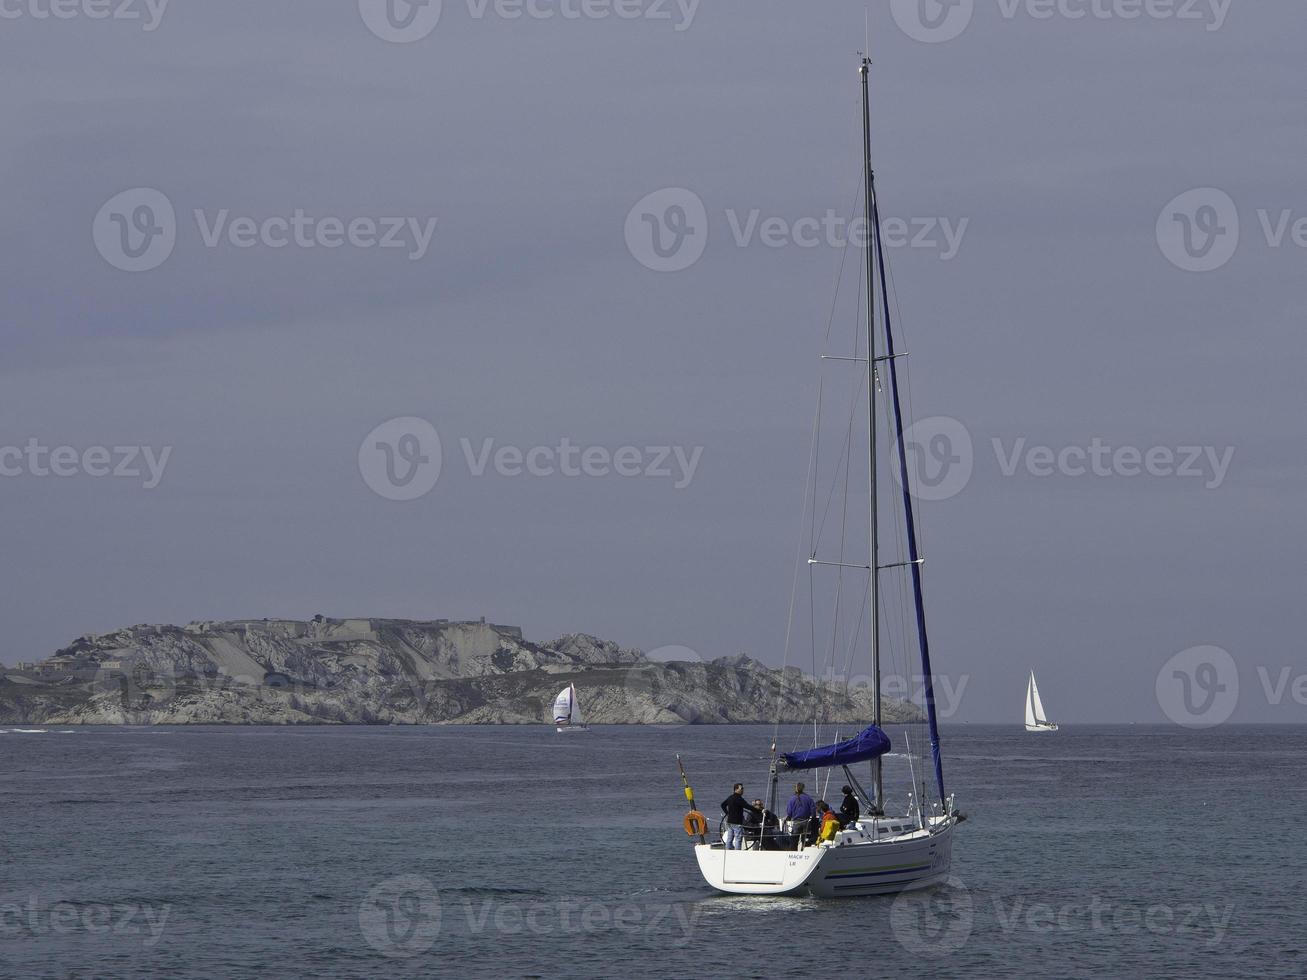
(1036,720)
(567,712)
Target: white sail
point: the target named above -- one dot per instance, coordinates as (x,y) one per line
(1035,703)
(1036,720)
(563,706)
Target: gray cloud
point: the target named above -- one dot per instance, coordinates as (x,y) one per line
(1058,321)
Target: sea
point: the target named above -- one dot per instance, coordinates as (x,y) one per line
(239,852)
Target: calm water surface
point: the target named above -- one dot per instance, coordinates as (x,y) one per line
(1104,852)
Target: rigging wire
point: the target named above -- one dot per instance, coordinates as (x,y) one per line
(820,689)
(916,571)
(810,487)
(898,614)
(897,620)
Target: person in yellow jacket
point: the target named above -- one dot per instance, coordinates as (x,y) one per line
(830,822)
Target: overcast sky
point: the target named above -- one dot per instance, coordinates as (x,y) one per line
(1060,293)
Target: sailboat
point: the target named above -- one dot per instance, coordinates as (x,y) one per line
(567,712)
(892,846)
(1036,720)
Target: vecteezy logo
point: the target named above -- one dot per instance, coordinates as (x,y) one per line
(932,21)
(401,21)
(1199,230)
(1199,687)
(401,459)
(667,231)
(400,917)
(936,923)
(136,230)
(940,458)
(655,691)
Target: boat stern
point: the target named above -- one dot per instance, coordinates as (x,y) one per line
(756,872)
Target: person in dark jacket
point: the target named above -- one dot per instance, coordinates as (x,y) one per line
(735,806)
(761,826)
(849,809)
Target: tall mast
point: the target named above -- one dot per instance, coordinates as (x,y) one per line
(874,573)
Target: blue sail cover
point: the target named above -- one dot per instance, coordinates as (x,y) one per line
(871,743)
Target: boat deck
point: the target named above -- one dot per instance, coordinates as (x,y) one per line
(866,830)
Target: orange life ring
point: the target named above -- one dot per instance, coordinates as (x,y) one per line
(696,824)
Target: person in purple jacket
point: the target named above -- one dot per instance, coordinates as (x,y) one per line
(800,811)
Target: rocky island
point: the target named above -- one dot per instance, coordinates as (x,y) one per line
(388,671)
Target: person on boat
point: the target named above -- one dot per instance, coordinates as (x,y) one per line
(800,813)
(849,809)
(830,822)
(761,826)
(735,806)
(801,806)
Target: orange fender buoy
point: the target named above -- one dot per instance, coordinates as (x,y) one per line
(696,824)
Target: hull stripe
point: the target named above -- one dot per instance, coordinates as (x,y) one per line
(901,869)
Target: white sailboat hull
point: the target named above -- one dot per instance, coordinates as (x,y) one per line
(1050,727)
(855,865)
(573,729)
